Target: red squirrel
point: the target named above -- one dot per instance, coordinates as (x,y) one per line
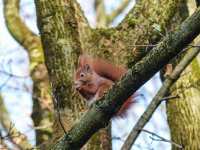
(95,76)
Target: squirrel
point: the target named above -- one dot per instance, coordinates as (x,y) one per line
(95,76)
(102,67)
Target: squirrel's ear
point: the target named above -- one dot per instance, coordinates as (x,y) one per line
(87,68)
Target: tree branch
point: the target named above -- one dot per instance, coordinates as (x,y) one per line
(159,97)
(161,138)
(21,32)
(138,28)
(115,13)
(17,138)
(101,112)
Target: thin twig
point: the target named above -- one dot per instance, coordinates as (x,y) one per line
(161,138)
(190,45)
(169,97)
(144,45)
(159,96)
(57,104)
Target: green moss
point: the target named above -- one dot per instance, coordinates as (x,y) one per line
(195,67)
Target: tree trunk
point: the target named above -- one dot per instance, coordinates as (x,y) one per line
(184,112)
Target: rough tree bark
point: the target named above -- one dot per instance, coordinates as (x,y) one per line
(184,113)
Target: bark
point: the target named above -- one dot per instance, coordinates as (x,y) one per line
(100,113)
(183,113)
(118,44)
(62,46)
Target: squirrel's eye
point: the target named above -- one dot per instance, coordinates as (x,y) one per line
(82,75)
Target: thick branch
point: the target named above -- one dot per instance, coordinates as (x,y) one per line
(21,32)
(101,112)
(159,97)
(60,38)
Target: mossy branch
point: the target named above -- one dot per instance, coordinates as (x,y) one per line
(170,80)
(102,111)
(21,33)
(143,25)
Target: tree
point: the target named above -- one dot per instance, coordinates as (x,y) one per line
(66,33)
(181,113)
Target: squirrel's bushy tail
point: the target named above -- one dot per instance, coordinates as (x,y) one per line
(126,106)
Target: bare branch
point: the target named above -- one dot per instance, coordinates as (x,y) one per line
(158,98)
(161,138)
(169,98)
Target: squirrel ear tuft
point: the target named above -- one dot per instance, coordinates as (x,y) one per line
(87,67)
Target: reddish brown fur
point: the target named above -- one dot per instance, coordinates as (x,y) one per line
(103,67)
(95,76)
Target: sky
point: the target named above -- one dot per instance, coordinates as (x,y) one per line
(17,91)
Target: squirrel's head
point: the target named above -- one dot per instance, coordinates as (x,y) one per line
(83,76)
